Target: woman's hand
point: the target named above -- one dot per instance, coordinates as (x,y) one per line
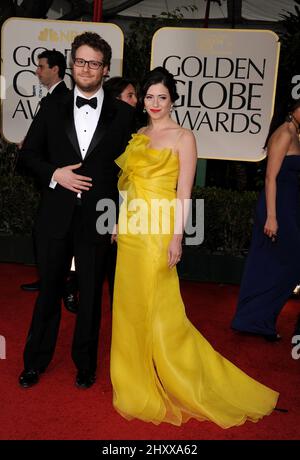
(174,251)
(271,227)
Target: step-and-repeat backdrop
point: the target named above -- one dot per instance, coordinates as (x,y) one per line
(226,79)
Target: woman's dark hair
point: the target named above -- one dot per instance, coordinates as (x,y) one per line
(116,85)
(160,75)
(94,41)
(294,105)
(281,115)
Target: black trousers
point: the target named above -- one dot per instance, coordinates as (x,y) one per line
(91,261)
(40,255)
(40,251)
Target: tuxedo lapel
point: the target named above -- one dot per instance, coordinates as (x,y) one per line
(107,113)
(69,123)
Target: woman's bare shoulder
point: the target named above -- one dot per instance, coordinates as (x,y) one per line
(283,133)
(185,135)
(142,130)
(186,144)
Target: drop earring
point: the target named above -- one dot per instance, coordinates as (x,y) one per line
(144,110)
(171,109)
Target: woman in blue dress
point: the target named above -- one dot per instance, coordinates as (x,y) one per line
(272,267)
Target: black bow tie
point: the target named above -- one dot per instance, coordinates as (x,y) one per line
(80,101)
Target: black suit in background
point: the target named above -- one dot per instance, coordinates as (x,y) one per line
(65,227)
(39,248)
(60,90)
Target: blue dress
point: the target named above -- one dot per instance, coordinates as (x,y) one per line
(272,269)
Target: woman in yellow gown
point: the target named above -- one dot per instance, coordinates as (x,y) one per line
(162,368)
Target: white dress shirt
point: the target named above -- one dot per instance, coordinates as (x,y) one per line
(86,119)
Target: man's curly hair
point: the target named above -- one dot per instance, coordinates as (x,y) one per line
(94,41)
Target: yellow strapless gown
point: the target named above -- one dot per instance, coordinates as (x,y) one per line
(162,368)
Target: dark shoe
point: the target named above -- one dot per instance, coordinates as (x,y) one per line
(279,409)
(268,337)
(71,302)
(30,377)
(35,286)
(272,337)
(296,293)
(85,379)
(70,296)
(297,327)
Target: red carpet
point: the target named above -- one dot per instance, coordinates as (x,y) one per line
(56,409)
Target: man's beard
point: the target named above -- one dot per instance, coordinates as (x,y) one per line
(89,87)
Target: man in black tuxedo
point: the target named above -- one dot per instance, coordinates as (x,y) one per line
(50,71)
(71,147)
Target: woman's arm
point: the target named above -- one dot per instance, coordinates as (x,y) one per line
(277,148)
(187,152)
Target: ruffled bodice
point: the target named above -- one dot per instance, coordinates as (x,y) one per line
(154,171)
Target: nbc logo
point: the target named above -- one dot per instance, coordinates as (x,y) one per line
(56,36)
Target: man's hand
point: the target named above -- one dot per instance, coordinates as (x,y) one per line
(20,144)
(74,182)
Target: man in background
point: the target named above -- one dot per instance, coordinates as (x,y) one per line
(50,71)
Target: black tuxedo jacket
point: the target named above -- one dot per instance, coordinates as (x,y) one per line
(51,143)
(59,90)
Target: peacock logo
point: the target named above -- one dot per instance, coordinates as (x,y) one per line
(56,36)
